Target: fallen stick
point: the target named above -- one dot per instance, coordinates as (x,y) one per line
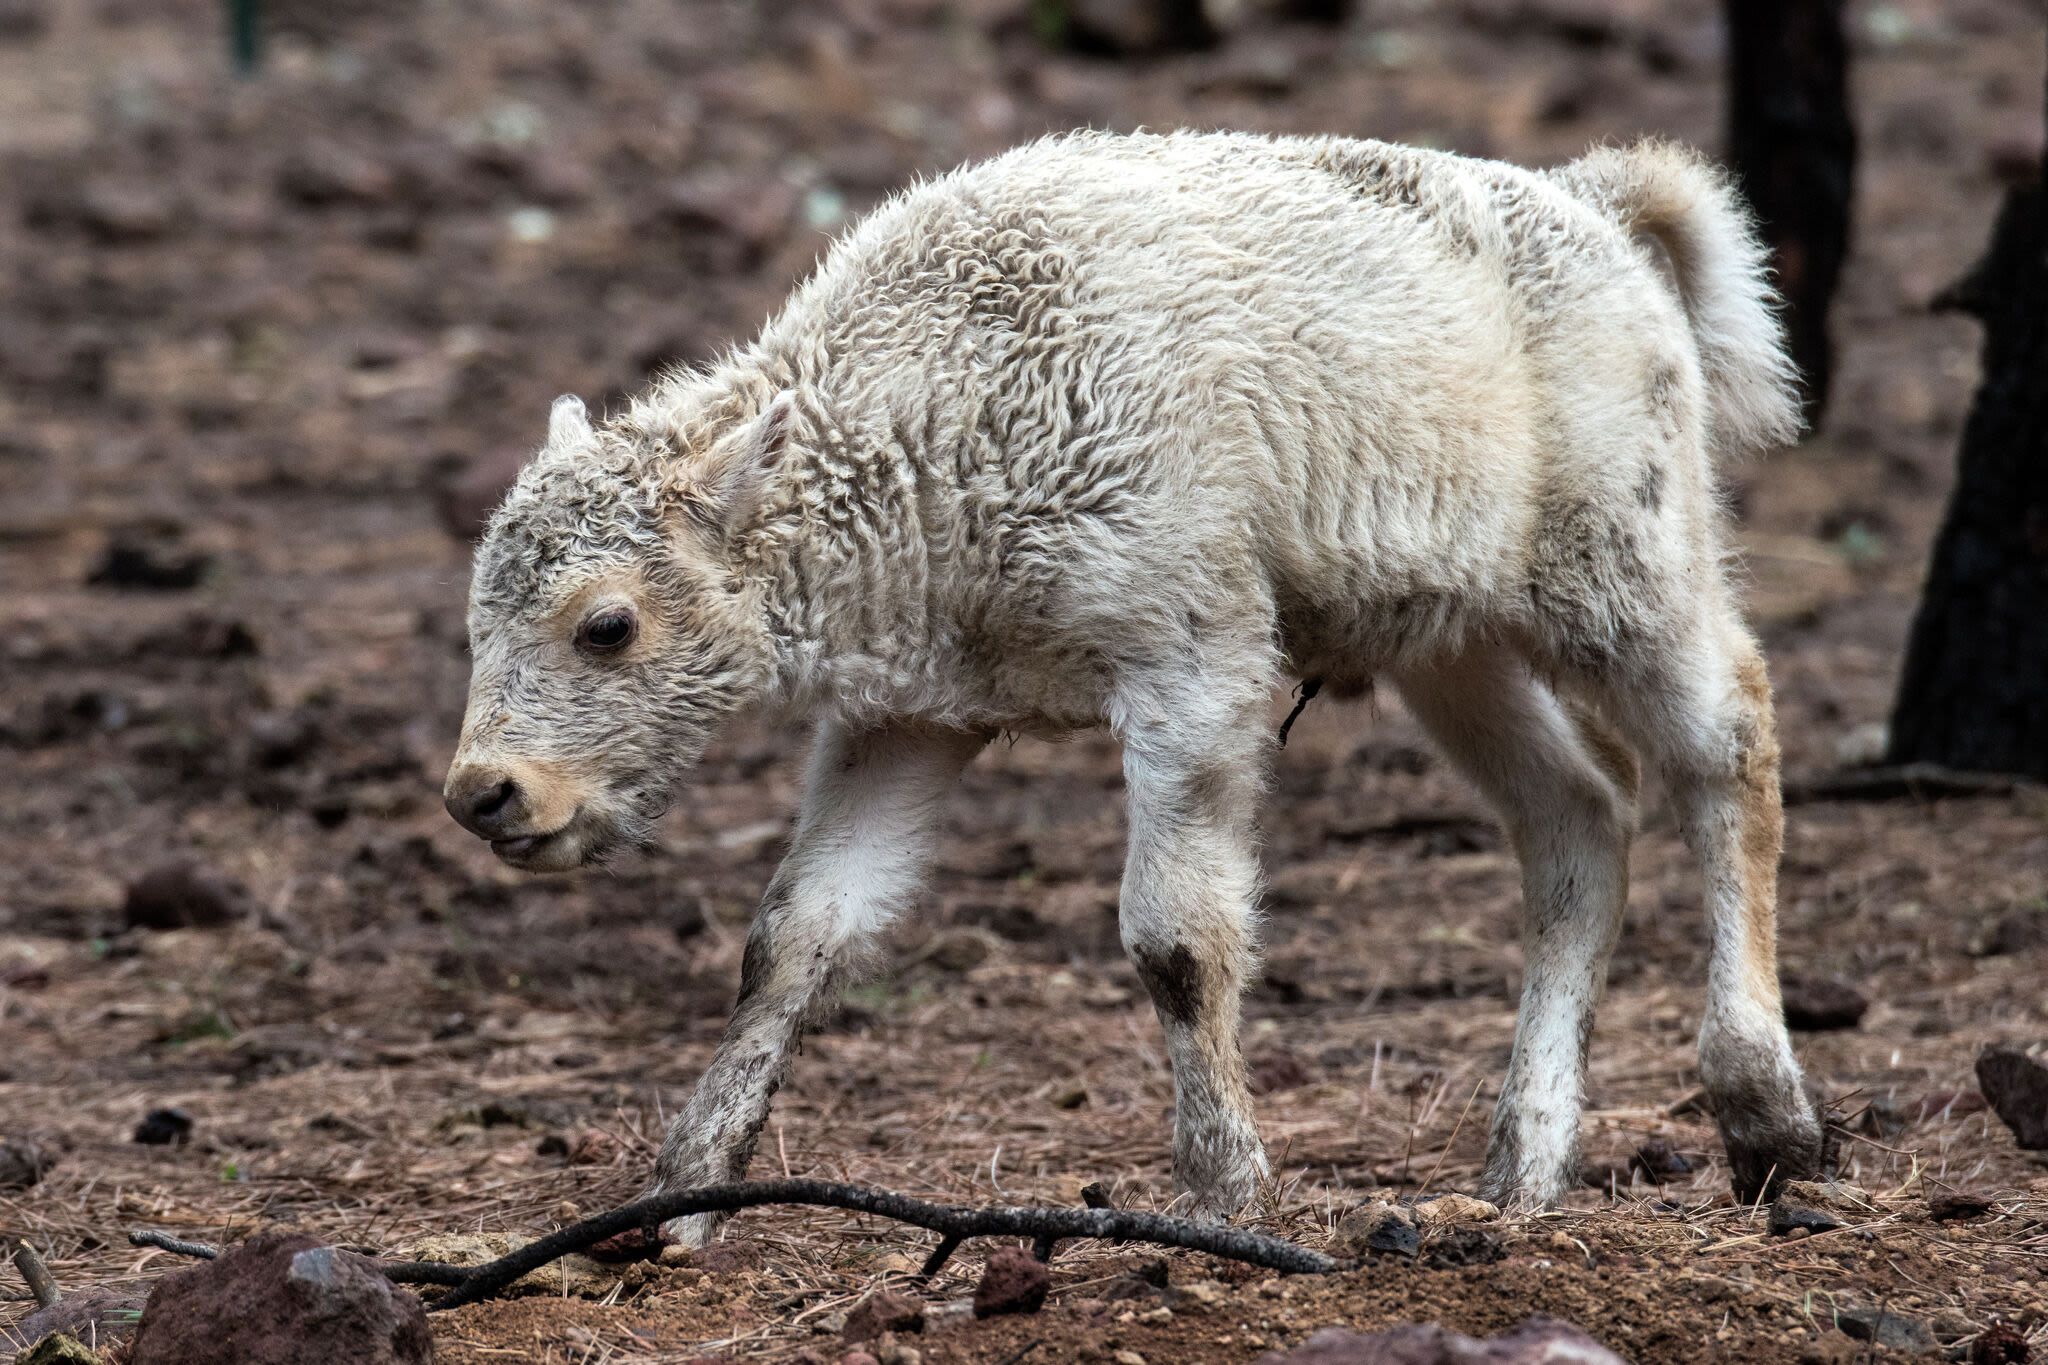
(954,1224)
(40,1282)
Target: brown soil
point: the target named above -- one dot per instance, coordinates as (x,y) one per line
(272,336)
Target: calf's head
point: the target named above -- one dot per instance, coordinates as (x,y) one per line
(610,629)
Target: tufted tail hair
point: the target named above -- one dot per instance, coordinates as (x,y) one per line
(1691,208)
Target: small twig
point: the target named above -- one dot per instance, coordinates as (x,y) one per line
(941,1254)
(1309,688)
(1026,1349)
(40,1282)
(1448,1141)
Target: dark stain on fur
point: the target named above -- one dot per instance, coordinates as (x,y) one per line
(1173,980)
(1650,488)
(757,963)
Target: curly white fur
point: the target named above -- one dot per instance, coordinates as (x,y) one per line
(1119,430)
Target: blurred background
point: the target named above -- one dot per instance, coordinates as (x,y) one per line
(278,321)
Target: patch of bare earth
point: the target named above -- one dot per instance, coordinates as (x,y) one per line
(274,339)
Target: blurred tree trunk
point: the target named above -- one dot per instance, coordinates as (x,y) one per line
(1974,693)
(1794,152)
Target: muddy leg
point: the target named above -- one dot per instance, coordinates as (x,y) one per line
(1190,882)
(1565,789)
(870,810)
(1712,728)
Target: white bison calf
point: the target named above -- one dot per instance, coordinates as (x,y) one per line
(1118,431)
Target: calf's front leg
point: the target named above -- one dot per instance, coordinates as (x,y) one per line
(871,807)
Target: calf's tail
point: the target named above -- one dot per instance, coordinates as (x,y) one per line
(1677,197)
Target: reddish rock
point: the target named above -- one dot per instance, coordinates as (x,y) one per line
(1957,1206)
(1999,1344)
(634,1244)
(1538,1341)
(281,1299)
(884,1312)
(1014,1281)
(182,894)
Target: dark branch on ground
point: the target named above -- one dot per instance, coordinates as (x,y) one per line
(954,1224)
(1896,782)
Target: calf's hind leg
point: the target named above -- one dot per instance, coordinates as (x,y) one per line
(1565,790)
(1705,715)
(871,806)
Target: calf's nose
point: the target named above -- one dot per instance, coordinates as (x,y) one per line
(487,804)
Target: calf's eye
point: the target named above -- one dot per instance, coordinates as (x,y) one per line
(606,633)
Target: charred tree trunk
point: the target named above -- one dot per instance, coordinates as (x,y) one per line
(1794,152)
(1974,694)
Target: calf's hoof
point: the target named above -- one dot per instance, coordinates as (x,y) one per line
(1764,1153)
(693,1230)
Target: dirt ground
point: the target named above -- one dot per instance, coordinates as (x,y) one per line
(272,340)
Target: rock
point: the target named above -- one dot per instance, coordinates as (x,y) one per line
(634,1244)
(1538,1341)
(2015,1082)
(1957,1206)
(1447,1210)
(1788,1216)
(182,894)
(22,1163)
(1278,1071)
(1886,1329)
(884,1312)
(150,565)
(281,1299)
(1659,1161)
(858,1358)
(60,1349)
(97,1316)
(1818,1004)
(1999,1344)
(959,950)
(1378,1227)
(164,1128)
(1013,1281)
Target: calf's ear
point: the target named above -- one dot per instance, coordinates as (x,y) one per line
(726,488)
(568,421)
